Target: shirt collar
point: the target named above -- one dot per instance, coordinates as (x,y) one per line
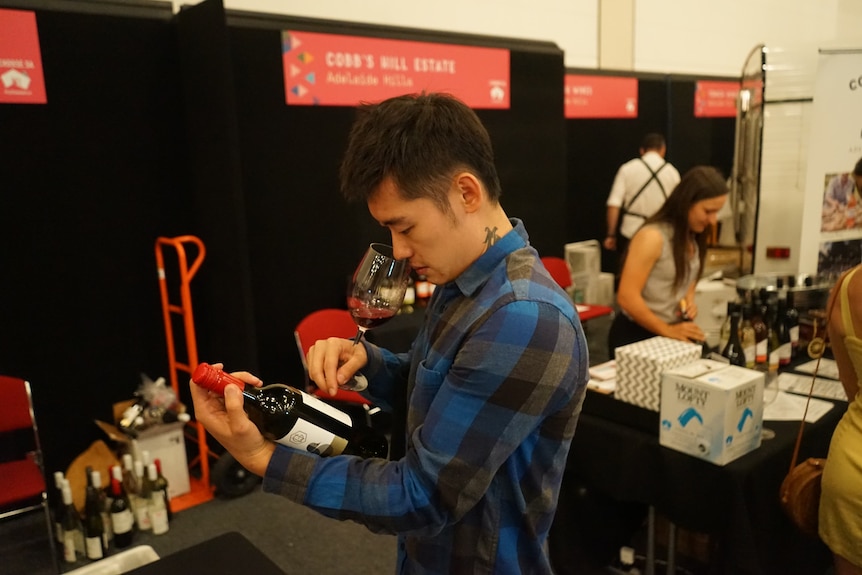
(477,274)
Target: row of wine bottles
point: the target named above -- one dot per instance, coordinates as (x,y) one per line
(135,500)
(761,331)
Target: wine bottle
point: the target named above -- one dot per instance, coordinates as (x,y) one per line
(761,332)
(785,349)
(142,503)
(770,313)
(746,335)
(131,485)
(156,503)
(122,520)
(724,332)
(162,485)
(733,349)
(72,530)
(58,508)
(94,526)
(791,319)
(295,419)
(105,507)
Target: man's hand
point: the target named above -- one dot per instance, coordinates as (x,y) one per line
(332,362)
(228,423)
(610,243)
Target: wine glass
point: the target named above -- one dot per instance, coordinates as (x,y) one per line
(377,288)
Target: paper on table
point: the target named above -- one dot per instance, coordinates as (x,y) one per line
(604,371)
(828,368)
(790,407)
(607,386)
(801,384)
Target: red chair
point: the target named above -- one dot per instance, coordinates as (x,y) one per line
(559,270)
(22,475)
(321,324)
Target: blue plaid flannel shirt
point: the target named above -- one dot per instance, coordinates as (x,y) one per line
(495,379)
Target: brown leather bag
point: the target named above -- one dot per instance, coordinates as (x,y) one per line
(800,494)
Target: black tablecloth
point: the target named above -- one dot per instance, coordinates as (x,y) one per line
(616,452)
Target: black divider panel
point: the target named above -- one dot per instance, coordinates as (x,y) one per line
(597,147)
(89,180)
(698,141)
(303,241)
(223,300)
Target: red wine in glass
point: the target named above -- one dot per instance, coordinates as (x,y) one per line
(375,295)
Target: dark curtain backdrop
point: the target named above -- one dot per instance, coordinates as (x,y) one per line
(162,125)
(595,148)
(89,181)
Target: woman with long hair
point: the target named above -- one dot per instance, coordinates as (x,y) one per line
(664,261)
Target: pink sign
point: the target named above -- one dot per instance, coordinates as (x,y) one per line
(600,97)
(715,99)
(336,70)
(21,80)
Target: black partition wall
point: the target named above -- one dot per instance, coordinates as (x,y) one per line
(275,207)
(166,125)
(90,179)
(597,147)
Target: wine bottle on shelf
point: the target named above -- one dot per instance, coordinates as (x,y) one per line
(296,419)
(733,349)
(162,485)
(142,504)
(122,520)
(746,335)
(94,526)
(157,506)
(72,529)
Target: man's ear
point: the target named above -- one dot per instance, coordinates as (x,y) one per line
(471,194)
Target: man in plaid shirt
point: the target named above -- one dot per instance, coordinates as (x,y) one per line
(495,378)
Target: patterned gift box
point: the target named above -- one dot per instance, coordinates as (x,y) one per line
(640,365)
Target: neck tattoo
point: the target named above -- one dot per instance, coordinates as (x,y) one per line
(491,237)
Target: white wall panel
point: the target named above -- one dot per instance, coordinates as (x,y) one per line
(708,37)
(570,24)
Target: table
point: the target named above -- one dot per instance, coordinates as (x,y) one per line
(616,453)
(227,554)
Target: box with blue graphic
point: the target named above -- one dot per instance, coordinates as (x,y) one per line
(711,410)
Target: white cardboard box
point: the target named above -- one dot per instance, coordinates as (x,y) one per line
(167,444)
(711,410)
(640,365)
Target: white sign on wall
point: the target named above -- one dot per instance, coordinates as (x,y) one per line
(831,239)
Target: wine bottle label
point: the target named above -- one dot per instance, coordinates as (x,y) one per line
(760,351)
(142,516)
(794,335)
(309,437)
(122,521)
(324,407)
(69,546)
(159,519)
(784,353)
(94,547)
(750,356)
